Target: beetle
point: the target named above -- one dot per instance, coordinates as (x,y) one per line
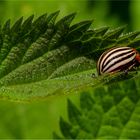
(121,58)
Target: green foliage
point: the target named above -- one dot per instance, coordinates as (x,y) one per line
(110,111)
(47,57)
(43,57)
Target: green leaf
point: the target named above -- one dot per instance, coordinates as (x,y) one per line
(124,39)
(73,113)
(42,57)
(135,42)
(16,27)
(114,33)
(88,103)
(65,22)
(88,35)
(65,128)
(27,25)
(6,27)
(76,31)
(101,31)
(35,50)
(109,111)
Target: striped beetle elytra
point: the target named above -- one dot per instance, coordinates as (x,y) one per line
(118,59)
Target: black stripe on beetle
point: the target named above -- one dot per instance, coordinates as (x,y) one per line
(118,59)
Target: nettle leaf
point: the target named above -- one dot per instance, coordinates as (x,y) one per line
(78,30)
(114,34)
(128,37)
(101,31)
(109,111)
(44,57)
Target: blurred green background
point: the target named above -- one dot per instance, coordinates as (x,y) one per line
(39,119)
(104,12)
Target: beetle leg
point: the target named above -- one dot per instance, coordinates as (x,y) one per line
(132,67)
(93,75)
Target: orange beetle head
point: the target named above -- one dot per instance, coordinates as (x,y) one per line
(137,55)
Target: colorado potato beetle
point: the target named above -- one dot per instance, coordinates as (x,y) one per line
(118,59)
